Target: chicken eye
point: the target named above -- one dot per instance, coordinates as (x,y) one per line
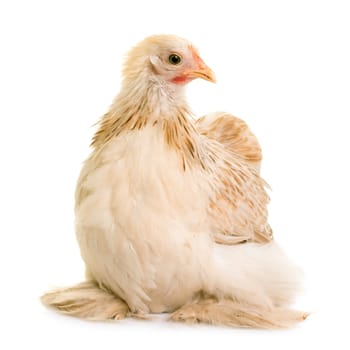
(174,59)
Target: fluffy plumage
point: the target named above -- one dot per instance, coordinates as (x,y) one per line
(171,212)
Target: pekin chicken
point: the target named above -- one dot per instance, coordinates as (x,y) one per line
(171,212)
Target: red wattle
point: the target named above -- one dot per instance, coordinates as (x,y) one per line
(181,79)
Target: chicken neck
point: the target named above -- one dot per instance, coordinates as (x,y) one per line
(155,104)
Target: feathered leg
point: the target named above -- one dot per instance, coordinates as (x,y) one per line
(86,300)
(233,313)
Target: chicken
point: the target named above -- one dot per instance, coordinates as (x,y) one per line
(171,212)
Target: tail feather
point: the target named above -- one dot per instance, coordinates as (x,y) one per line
(256,274)
(86,300)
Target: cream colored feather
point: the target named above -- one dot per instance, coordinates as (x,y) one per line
(171,212)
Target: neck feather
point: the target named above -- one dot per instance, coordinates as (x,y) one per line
(153,104)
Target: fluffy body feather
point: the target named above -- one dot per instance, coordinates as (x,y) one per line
(171,213)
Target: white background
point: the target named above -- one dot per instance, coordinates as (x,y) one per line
(283,66)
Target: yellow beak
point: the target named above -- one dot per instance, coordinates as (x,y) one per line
(203,72)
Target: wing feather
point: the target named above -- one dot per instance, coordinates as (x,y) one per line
(238,205)
(234,134)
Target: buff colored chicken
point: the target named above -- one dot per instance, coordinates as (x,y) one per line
(171,211)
